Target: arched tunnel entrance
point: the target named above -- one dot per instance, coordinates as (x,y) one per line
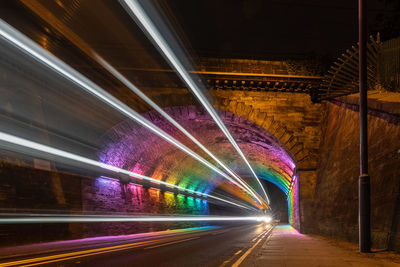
(280,208)
(134,148)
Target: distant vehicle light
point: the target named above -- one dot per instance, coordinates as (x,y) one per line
(267,219)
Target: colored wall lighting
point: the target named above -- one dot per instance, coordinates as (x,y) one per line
(20,142)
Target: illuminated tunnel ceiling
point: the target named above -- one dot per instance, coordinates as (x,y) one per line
(131,147)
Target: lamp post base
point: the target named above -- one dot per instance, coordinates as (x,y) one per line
(364,213)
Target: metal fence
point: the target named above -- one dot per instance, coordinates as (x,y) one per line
(383,70)
(389,65)
(342,77)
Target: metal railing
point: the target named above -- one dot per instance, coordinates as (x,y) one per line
(342,77)
(383,70)
(389,65)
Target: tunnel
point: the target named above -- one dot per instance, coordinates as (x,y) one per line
(199,133)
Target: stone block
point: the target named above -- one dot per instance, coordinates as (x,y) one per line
(335,199)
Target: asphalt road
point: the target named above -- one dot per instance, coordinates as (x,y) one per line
(225,246)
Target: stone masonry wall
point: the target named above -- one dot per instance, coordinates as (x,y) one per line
(291,117)
(294,120)
(108,196)
(335,203)
(27,190)
(24,189)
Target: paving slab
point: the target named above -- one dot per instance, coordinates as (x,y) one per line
(286,247)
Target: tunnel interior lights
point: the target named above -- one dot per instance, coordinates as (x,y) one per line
(17,141)
(143,96)
(292,184)
(28,46)
(276,178)
(139,14)
(68,218)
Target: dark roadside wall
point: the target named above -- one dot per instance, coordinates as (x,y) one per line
(335,205)
(25,189)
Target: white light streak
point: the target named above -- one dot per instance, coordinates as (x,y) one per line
(26,45)
(57,152)
(148,26)
(57,218)
(138,92)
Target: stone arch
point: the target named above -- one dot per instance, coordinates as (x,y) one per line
(272,125)
(299,130)
(272,160)
(292,117)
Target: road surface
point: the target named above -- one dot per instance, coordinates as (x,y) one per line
(207,246)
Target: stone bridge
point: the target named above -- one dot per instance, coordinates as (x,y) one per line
(308,150)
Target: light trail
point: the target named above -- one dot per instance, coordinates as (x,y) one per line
(58,218)
(16,38)
(143,96)
(139,15)
(156,240)
(57,152)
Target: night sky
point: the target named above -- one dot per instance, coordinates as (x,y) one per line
(273,29)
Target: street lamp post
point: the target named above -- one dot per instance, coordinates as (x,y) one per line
(364,205)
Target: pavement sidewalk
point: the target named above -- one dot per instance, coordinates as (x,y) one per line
(287,247)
